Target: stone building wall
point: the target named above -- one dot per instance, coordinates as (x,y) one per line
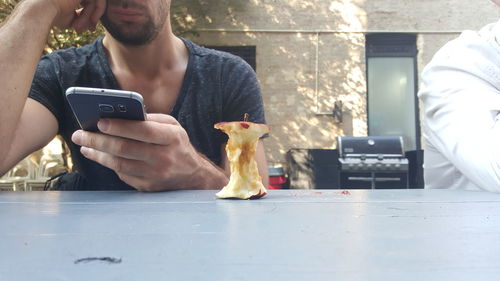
(312,53)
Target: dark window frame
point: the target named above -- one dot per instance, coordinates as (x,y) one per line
(394,45)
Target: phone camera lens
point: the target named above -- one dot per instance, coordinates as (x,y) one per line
(122,108)
(106,108)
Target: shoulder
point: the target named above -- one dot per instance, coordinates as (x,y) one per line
(479,44)
(474,54)
(75,55)
(214,58)
(69,66)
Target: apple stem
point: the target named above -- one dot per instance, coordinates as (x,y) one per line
(246,116)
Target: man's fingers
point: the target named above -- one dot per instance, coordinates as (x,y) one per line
(74,23)
(124,148)
(83,22)
(99,9)
(140,183)
(87,17)
(152,131)
(120,165)
(162,118)
(131,172)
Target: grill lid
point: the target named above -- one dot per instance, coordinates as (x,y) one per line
(373,146)
(373,153)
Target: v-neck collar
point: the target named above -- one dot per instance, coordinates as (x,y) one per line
(110,76)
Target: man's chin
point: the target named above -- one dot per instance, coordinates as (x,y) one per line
(130,34)
(133,38)
(132,41)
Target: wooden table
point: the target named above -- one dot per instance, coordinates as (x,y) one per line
(288,235)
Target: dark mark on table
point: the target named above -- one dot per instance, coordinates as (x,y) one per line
(103,259)
(398,209)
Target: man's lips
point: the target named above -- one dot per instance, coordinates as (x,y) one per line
(125,13)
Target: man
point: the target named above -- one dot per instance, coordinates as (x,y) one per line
(461,98)
(186,89)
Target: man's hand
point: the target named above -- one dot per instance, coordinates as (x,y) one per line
(23,37)
(81,15)
(150,155)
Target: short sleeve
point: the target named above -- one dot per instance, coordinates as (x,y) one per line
(242,93)
(46,88)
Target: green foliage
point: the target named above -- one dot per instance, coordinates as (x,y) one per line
(184,16)
(65,38)
(6,6)
(61,39)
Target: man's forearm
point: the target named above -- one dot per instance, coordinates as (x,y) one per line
(23,37)
(210,175)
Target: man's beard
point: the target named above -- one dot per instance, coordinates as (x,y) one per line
(139,36)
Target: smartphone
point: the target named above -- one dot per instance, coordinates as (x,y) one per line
(91,104)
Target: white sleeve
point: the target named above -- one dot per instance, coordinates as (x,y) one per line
(462,121)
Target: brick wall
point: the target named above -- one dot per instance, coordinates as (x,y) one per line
(311,54)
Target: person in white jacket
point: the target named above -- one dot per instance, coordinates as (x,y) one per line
(461,97)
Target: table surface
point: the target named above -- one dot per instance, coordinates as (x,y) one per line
(287,235)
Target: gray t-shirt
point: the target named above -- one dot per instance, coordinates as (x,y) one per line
(217,87)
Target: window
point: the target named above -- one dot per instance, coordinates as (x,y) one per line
(392,87)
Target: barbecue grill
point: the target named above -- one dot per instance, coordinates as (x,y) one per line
(377,159)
